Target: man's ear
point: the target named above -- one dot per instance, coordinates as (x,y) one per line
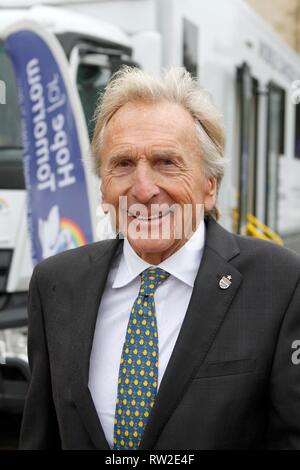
(105,207)
(210,193)
(103,199)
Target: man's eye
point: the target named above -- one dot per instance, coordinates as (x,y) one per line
(123,163)
(165,161)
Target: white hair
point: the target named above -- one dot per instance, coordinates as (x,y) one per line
(177,86)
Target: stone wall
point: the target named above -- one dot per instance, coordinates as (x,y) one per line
(283,16)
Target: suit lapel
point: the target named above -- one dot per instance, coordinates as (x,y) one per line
(206,311)
(86,304)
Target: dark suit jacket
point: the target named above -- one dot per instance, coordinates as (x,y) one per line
(230,382)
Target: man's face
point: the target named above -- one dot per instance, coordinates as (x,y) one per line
(150,154)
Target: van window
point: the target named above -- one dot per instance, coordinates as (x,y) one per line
(190,47)
(275,150)
(92,78)
(10,120)
(11,172)
(297,131)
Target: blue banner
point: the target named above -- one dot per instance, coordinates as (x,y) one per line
(59,212)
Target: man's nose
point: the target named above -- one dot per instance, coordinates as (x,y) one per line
(144,187)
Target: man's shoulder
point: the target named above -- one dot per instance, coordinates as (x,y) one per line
(75,258)
(260,251)
(257,245)
(246,251)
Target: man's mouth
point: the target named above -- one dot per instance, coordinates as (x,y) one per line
(142,218)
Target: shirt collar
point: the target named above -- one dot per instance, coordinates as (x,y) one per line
(183,264)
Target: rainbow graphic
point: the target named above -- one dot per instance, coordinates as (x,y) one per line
(75,231)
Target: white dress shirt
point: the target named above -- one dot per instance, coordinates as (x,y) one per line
(122,287)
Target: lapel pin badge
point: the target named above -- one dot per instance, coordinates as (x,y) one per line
(225,282)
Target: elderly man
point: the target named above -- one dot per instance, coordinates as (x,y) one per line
(176,334)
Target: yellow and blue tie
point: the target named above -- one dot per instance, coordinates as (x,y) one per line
(138,373)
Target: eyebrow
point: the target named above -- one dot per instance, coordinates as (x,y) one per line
(120,156)
(171,153)
(163,153)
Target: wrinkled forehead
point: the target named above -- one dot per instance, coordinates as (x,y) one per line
(150,122)
(163,109)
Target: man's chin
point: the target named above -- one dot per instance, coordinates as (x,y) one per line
(152,247)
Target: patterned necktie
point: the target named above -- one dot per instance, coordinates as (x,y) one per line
(138,374)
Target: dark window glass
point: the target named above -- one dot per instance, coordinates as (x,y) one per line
(91,82)
(297,131)
(247,131)
(10,120)
(11,169)
(190,47)
(275,149)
